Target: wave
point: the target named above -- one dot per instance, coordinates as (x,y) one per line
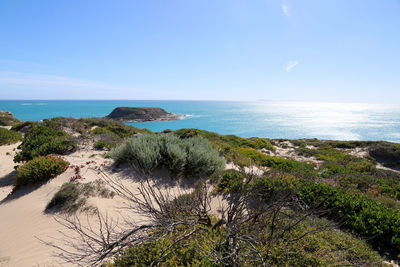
(187,116)
(34,104)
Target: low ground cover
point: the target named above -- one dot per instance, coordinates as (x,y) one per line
(41,140)
(8,137)
(72,196)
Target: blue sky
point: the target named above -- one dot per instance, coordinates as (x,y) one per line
(279,50)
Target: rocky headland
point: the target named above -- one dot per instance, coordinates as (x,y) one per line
(7,118)
(141,114)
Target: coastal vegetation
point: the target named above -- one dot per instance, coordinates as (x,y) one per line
(43,140)
(357,213)
(192,156)
(39,169)
(7,118)
(323,248)
(229,146)
(310,202)
(101,145)
(386,153)
(8,137)
(72,196)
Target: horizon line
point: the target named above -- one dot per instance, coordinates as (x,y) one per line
(213,100)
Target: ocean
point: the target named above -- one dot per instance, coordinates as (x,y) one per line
(338,121)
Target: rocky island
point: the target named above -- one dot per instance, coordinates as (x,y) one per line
(141,114)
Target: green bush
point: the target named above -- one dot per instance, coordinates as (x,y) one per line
(306,152)
(191,156)
(331,247)
(7,119)
(101,144)
(23,125)
(66,198)
(40,169)
(357,173)
(142,152)
(41,140)
(333,143)
(282,164)
(226,140)
(72,196)
(183,254)
(231,181)
(358,213)
(173,153)
(305,245)
(202,159)
(387,153)
(229,145)
(9,137)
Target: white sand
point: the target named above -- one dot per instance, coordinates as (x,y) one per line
(290,152)
(22,216)
(7,164)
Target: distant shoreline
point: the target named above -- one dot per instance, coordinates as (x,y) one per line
(245,119)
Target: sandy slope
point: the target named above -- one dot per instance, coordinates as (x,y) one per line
(7,164)
(22,217)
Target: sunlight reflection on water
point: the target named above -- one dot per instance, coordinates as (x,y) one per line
(332,120)
(341,121)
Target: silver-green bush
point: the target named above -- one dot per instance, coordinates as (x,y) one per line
(202,159)
(190,157)
(142,152)
(173,153)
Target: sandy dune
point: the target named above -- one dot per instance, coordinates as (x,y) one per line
(22,217)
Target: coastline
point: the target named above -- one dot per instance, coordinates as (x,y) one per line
(22,246)
(245,119)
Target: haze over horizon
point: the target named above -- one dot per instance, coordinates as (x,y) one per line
(275,50)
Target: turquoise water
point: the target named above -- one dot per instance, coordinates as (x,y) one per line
(341,121)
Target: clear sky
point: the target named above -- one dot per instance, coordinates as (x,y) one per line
(285,50)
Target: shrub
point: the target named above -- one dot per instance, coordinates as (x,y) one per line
(260,143)
(41,140)
(229,145)
(226,140)
(282,164)
(192,156)
(101,144)
(23,126)
(231,181)
(66,198)
(72,196)
(146,254)
(7,119)
(202,159)
(9,137)
(307,152)
(358,213)
(331,247)
(39,169)
(387,153)
(306,245)
(173,153)
(142,152)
